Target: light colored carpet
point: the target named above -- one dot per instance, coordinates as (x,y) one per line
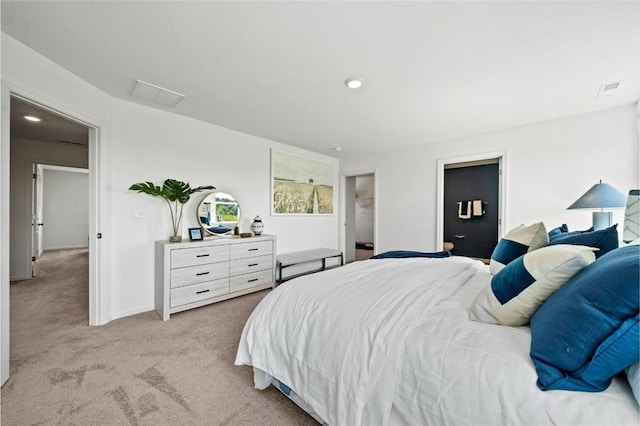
(138,370)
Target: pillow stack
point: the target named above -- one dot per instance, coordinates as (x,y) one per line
(523,285)
(517,242)
(588,331)
(581,295)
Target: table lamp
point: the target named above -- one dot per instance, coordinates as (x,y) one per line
(601,196)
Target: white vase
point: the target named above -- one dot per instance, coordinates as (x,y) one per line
(257,226)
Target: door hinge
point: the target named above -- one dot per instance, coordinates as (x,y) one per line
(35,176)
(99,235)
(33,258)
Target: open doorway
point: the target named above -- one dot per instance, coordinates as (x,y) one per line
(40,141)
(46,142)
(471,204)
(471,208)
(60,210)
(360,216)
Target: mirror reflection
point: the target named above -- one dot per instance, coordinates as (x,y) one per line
(219,213)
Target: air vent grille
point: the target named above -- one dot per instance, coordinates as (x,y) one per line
(155,94)
(608,89)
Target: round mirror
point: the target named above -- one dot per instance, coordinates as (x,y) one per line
(218,213)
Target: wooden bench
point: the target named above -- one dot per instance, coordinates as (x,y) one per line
(300,257)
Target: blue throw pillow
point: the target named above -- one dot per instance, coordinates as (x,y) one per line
(587,331)
(603,239)
(559,230)
(567,233)
(524,284)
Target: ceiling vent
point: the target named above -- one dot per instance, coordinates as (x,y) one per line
(608,89)
(156,94)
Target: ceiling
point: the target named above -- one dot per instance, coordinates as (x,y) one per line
(433,70)
(53,127)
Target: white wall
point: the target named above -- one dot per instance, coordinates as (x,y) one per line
(549,165)
(148,144)
(154,145)
(66,209)
(24,153)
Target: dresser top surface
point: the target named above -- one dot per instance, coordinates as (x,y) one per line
(216,241)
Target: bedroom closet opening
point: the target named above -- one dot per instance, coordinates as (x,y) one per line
(359,217)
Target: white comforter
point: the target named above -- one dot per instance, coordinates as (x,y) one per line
(388,341)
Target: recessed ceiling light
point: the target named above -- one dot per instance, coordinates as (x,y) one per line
(354,82)
(336,148)
(32,118)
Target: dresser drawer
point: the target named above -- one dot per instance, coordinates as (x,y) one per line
(197,292)
(198,256)
(251,264)
(256,248)
(199,274)
(242,282)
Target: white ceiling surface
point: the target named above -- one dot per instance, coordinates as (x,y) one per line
(433,70)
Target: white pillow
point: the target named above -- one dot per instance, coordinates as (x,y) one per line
(517,242)
(519,289)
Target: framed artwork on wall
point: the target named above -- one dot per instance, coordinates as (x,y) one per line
(301,186)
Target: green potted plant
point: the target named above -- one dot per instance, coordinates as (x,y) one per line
(176,193)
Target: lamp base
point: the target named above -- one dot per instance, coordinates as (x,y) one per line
(601,220)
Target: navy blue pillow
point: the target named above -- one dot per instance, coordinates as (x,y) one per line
(604,239)
(587,331)
(559,230)
(567,233)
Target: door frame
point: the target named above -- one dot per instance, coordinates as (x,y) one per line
(99,297)
(502,190)
(343,204)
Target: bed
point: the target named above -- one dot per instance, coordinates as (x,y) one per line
(405,340)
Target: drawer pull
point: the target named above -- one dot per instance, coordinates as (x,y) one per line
(252,280)
(253,264)
(202,273)
(202,291)
(253,249)
(203,255)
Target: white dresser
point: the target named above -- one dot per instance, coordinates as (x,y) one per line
(193,274)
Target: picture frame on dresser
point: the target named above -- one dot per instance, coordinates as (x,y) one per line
(195,234)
